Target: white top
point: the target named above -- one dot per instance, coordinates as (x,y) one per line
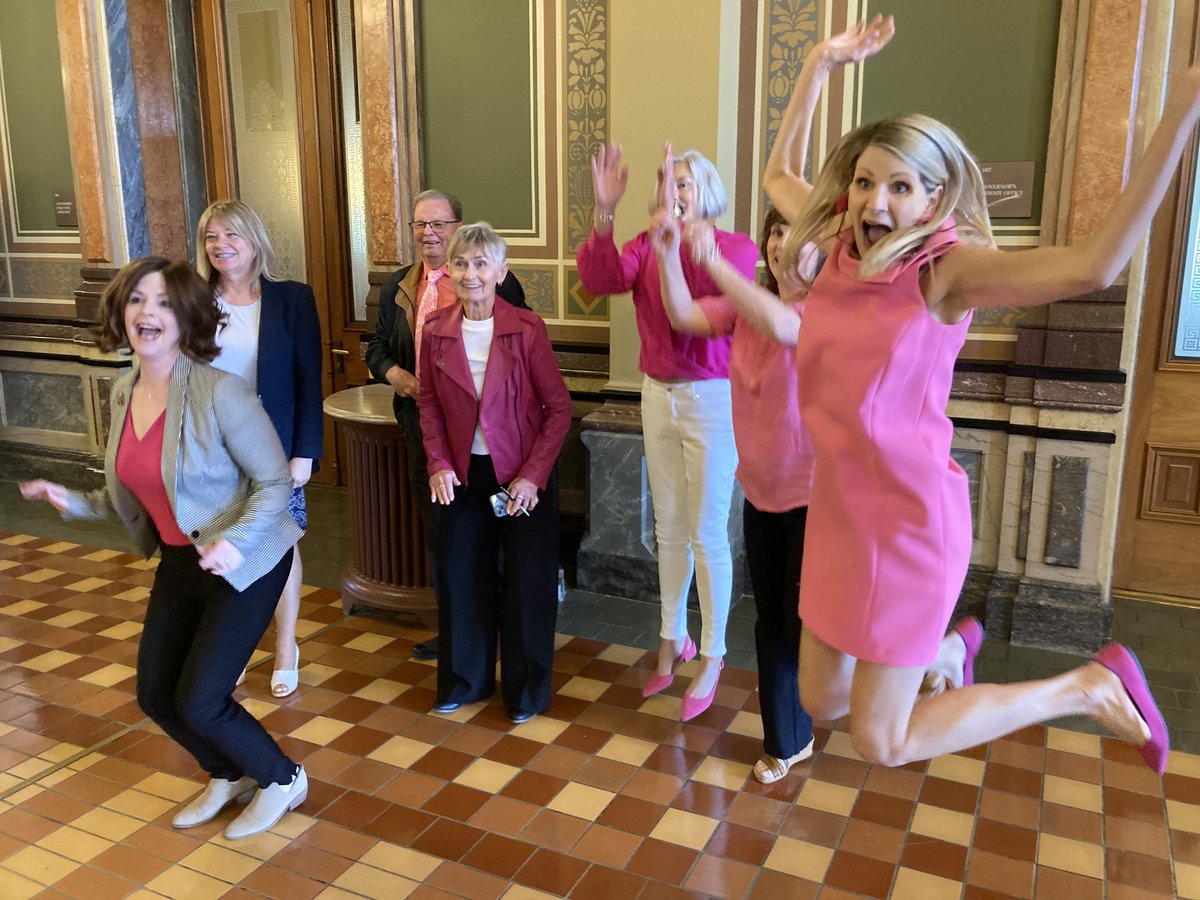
(238,340)
(477,340)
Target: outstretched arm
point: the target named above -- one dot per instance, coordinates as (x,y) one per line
(977,276)
(784,179)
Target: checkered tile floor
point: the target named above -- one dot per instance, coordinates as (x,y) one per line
(606,796)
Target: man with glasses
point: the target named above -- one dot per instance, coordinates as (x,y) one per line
(405,301)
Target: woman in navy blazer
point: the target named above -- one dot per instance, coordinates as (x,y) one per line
(494,413)
(272,339)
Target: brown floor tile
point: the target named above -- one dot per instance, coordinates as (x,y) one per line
(558,762)
(704,799)
(632,815)
(1024,812)
(465,882)
(336,840)
(1000,875)
(1147,872)
(504,815)
(281,884)
(129,864)
(513,751)
(607,846)
(1072,765)
(839,770)
(552,872)
(25,826)
(662,861)
(1053,884)
(311,862)
(600,883)
(163,843)
(400,825)
(94,885)
(606,774)
(815,826)
(448,839)
(354,808)
(410,788)
(718,877)
(747,845)
(935,857)
(533,787)
(456,801)
(893,782)
(757,812)
(875,841)
(654,787)
(773,885)
(1135,779)
(860,874)
(963,798)
(674,761)
(1013,780)
(498,855)
(442,763)
(554,830)
(366,776)
(882,810)
(1072,823)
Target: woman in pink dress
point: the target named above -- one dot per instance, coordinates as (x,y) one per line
(900,208)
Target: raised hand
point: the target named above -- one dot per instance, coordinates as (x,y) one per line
(664,232)
(699,235)
(859,43)
(668,191)
(609,177)
(40,489)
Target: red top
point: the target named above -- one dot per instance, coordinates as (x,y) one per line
(139,467)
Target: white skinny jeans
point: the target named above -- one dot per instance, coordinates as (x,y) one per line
(687,429)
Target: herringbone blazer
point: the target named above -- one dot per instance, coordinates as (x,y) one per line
(222,465)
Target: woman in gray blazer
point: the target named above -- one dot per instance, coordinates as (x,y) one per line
(194,468)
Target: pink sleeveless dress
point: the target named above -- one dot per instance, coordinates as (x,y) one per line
(889,522)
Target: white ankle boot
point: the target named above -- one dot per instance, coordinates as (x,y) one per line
(268,807)
(215,797)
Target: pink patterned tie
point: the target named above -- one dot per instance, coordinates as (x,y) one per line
(427,305)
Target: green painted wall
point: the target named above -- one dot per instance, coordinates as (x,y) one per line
(35,110)
(984,67)
(476,106)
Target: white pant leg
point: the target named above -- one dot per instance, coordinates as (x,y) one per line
(710,458)
(668,491)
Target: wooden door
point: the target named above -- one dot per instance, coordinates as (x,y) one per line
(270,97)
(1158,537)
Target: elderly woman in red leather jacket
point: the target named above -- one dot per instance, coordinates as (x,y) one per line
(494,413)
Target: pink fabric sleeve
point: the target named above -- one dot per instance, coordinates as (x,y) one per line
(604,270)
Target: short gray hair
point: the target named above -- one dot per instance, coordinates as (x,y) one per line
(710,192)
(433,194)
(478,236)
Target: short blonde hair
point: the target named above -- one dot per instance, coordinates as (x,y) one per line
(711,200)
(478,236)
(242,219)
(939,158)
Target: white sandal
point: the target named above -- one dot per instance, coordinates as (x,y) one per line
(770,769)
(284,681)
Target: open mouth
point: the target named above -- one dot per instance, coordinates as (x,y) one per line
(874,233)
(148,332)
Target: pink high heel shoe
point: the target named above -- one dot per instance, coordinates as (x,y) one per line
(693,706)
(971,633)
(1119,660)
(657,683)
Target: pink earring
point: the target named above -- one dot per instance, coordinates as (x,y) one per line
(842,203)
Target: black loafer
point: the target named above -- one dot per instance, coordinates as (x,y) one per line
(518,717)
(445,706)
(425,650)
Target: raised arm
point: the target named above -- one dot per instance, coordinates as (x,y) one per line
(685,314)
(977,276)
(783,179)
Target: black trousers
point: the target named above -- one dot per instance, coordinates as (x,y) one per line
(430,512)
(198,633)
(774,548)
(519,605)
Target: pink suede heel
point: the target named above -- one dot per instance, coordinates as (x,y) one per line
(1119,660)
(657,683)
(693,706)
(971,633)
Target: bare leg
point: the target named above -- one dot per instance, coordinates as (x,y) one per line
(704,682)
(889,727)
(825,678)
(286,613)
(946,671)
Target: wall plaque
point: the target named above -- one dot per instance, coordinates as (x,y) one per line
(64,209)
(1009,187)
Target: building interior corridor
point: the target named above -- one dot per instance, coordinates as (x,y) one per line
(606,796)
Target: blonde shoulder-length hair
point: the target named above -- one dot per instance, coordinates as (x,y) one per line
(236,216)
(939,158)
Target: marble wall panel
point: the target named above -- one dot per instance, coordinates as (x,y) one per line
(1083,350)
(1068,496)
(1095,396)
(44,401)
(983,454)
(125,121)
(1047,527)
(187,116)
(43,277)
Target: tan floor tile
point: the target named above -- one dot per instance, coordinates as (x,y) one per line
(1187,881)
(101,555)
(584,688)
(293,825)
(1183,816)
(17,887)
(1184,764)
(70,618)
(799,858)
(372,882)
(258,707)
(108,824)
(332,893)
(722,772)
(74,844)
(315,674)
(381,690)
(1073,742)
(180,882)
(169,787)
(631,751)
(37,576)
(957,768)
(913,885)
(661,705)
(487,775)
(30,768)
(135,594)
(220,862)
(20,608)
(261,846)
(542,729)
(306,628)
(58,547)
(1068,792)
(60,752)
(113,673)
(55,777)
(139,805)
(1070,856)
(40,865)
(29,792)
(88,584)
(401,861)
(581,801)
(8,782)
(122,631)
(746,723)
(321,730)
(684,828)
(7,643)
(521,892)
(617,653)
(144,565)
(49,661)
(839,745)
(16,540)
(369,642)
(933,821)
(400,751)
(834,798)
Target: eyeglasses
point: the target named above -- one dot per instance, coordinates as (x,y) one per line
(438,225)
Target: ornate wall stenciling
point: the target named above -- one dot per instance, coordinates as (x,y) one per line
(586,111)
(539,289)
(44,277)
(580,302)
(791,33)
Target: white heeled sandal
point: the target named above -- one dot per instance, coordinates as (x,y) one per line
(218,794)
(284,681)
(268,807)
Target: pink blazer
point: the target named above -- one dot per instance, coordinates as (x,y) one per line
(524,408)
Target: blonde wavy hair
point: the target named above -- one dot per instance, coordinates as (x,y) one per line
(238,217)
(939,158)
